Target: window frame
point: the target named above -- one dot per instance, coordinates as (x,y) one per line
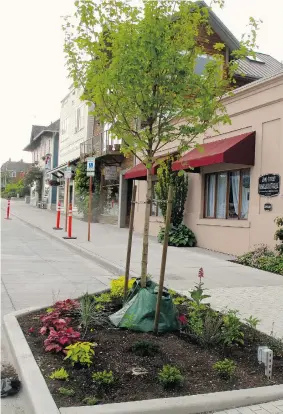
(242,171)
(153,197)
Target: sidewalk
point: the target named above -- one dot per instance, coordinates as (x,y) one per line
(251,291)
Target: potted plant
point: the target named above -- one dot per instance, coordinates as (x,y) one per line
(43,158)
(117,147)
(110,148)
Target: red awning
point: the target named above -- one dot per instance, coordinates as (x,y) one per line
(236,150)
(139,171)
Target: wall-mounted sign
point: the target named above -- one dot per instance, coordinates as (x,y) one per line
(68,173)
(110,173)
(267,207)
(269,185)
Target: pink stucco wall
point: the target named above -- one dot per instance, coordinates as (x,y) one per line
(256,107)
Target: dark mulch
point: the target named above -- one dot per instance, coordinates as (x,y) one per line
(114,353)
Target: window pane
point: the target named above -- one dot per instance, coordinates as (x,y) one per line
(234,184)
(245,194)
(210,195)
(201,61)
(221,195)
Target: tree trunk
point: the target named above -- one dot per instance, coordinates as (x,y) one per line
(146,229)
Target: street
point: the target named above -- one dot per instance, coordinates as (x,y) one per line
(36,271)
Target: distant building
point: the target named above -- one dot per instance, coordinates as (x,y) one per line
(44,147)
(13,171)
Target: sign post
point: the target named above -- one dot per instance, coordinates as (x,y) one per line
(90,170)
(68,176)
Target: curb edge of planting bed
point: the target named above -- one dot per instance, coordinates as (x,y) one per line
(41,401)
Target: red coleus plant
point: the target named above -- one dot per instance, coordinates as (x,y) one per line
(53,320)
(183,320)
(67,305)
(57,340)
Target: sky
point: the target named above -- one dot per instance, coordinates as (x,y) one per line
(33,72)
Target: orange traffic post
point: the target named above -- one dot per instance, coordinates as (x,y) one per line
(58,217)
(70,218)
(8,210)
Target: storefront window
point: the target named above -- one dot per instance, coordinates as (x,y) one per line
(227,195)
(155,208)
(210,195)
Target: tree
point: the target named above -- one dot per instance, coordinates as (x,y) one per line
(179,183)
(34,176)
(82,192)
(137,66)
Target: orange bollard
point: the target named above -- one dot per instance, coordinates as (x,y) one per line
(8,210)
(58,217)
(70,218)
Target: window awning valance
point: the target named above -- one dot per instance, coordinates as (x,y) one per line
(236,150)
(139,171)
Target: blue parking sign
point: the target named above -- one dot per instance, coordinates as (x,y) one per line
(90,164)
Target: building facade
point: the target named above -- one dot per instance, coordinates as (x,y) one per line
(235,190)
(13,171)
(44,146)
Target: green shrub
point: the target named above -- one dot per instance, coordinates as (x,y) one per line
(69,392)
(80,352)
(264,259)
(90,401)
(232,333)
(103,378)
(225,368)
(60,374)
(170,377)
(145,348)
(180,236)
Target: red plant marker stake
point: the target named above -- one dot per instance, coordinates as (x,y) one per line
(58,217)
(70,218)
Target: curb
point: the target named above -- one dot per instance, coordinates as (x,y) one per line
(39,398)
(101,261)
(42,402)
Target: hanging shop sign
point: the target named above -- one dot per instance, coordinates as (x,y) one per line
(110,172)
(68,173)
(269,185)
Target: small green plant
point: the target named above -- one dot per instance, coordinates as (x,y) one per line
(117,287)
(172,292)
(60,374)
(232,333)
(179,300)
(90,401)
(103,378)
(99,307)
(128,321)
(69,392)
(86,311)
(252,323)
(145,348)
(103,298)
(197,294)
(225,368)
(80,352)
(50,310)
(170,377)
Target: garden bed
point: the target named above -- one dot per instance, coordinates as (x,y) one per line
(113,352)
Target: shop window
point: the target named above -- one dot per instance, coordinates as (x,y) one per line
(155,208)
(227,195)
